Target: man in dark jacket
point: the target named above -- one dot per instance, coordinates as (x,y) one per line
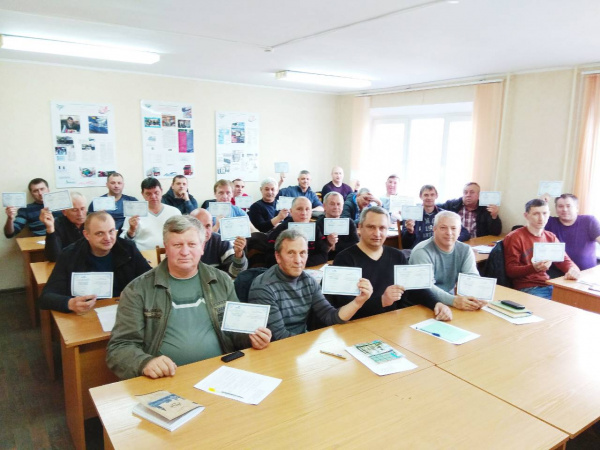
(65,229)
(478,220)
(179,196)
(99,251)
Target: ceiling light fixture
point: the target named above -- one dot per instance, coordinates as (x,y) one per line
(74,49)
(322,80)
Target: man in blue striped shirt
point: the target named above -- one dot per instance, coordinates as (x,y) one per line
(19,218)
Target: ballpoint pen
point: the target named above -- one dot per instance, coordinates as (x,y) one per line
(429,332)
(337,355)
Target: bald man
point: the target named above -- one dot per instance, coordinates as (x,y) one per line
(336,184)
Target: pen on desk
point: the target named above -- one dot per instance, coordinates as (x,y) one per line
(337,355)
(223,392)
(429,332)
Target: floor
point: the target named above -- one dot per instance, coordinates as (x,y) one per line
(32,407)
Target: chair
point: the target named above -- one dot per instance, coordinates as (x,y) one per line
(495,268)
(244,280)
(159,252)
(399,225)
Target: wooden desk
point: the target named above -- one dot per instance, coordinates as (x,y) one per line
(551,374)
(150,256)
(483,240)
(491,328)
(41,272)
(325,402)
(392,239)
(32,252)
(83,347)
(573,293)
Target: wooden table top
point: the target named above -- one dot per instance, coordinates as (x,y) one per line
(41,271)
(551,374)
(78,329)
(591,275)
(30,244)
(325,402)
(491,329)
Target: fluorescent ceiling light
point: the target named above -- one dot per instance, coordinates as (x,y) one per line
(323,80)
(73,49)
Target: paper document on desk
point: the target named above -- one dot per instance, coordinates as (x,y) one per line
(445,331)
(165,409)
(483,249)
(516,320)
(241,385)
(107,315)
(381,358)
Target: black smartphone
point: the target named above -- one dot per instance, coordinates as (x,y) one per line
(232,356)
(512,304)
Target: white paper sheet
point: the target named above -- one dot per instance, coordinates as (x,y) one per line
(552,188)
(219,209)
(481,288)
(92,283)
(107,316)
(16,199)
(548,251)
(244,317)
(104,203)
(243,201)
(414,276)
(307,229)
(340,226)
(282,167)
(445,331)
(341,280)
(412,213)
(487,198)
(58,200)
(131,209)
(284,203)
(386,368)
(517,321)
(232,227)
(241,385)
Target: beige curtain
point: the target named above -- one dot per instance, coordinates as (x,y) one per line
(487,119)
(590,132)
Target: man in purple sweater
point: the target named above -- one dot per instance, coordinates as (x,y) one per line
(579,232)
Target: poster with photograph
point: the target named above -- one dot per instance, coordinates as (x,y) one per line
(83,137)
(168,139)
(237,145)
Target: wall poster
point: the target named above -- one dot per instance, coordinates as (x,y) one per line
(237,145)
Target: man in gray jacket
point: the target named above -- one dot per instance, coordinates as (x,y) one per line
(172,315)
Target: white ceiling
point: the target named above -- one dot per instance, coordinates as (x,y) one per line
(226,40)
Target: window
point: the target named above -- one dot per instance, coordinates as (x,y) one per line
(422,145)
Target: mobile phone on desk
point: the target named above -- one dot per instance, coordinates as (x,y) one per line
(512,304)
(231,356)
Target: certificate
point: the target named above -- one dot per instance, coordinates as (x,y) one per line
(57,201)
(341,226)
(307,229)
(243,201)
(409,212)
(341,280)
(99,284)
(487,198)
(284,203)
(282,167)
(16,199)
(552,188)
(414,276)
(131,209)
(232,227)
(244,317)
(481,288)
(220,209)
(548,251)
(104,203)
(398,201)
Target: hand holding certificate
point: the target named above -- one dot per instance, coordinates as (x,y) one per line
(104,203)
(414,276)
(58,201)
(552,188)
(14,199)
(409,212)
(341,226)
(131,209)
(233,227)
(481,288)
(341,280)
(487,198)
(244,201)
(284,203)
(548,251)
(307,229)
(282,167)
(222,209)
(244,317)
(99,284)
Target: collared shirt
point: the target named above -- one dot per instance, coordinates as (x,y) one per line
(469,220)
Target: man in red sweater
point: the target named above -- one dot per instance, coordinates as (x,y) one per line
(526,275)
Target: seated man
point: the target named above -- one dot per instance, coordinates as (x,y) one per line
(172,315)
(218,253)
(449,258)
(100,251)
(356,203)
(66,229)
(115,186)
(146,231)
(262,213)
(238,190)
(391,188)
(336,184)
(478,220)
(179,196)
(377,262)
(525,274)
(224,193)
(292,294)
(19,218)
(414,232)
(579,232)
(303,190)
(333,203)
(301,213)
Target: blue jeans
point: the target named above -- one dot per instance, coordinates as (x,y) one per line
(540,291)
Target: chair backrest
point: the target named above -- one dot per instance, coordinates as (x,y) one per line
(244,280)
(494,266)
(399,225)
(159,252)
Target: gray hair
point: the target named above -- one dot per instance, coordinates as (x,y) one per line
(268,180)
(304,172)
(288,235)
(363,191)
(374,210)
(75,195)
(445,214)
(329,194)
(180,224)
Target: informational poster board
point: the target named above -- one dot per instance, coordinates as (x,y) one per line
(83,137)
(168,139)
(237,145)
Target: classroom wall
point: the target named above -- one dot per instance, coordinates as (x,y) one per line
(298,127)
